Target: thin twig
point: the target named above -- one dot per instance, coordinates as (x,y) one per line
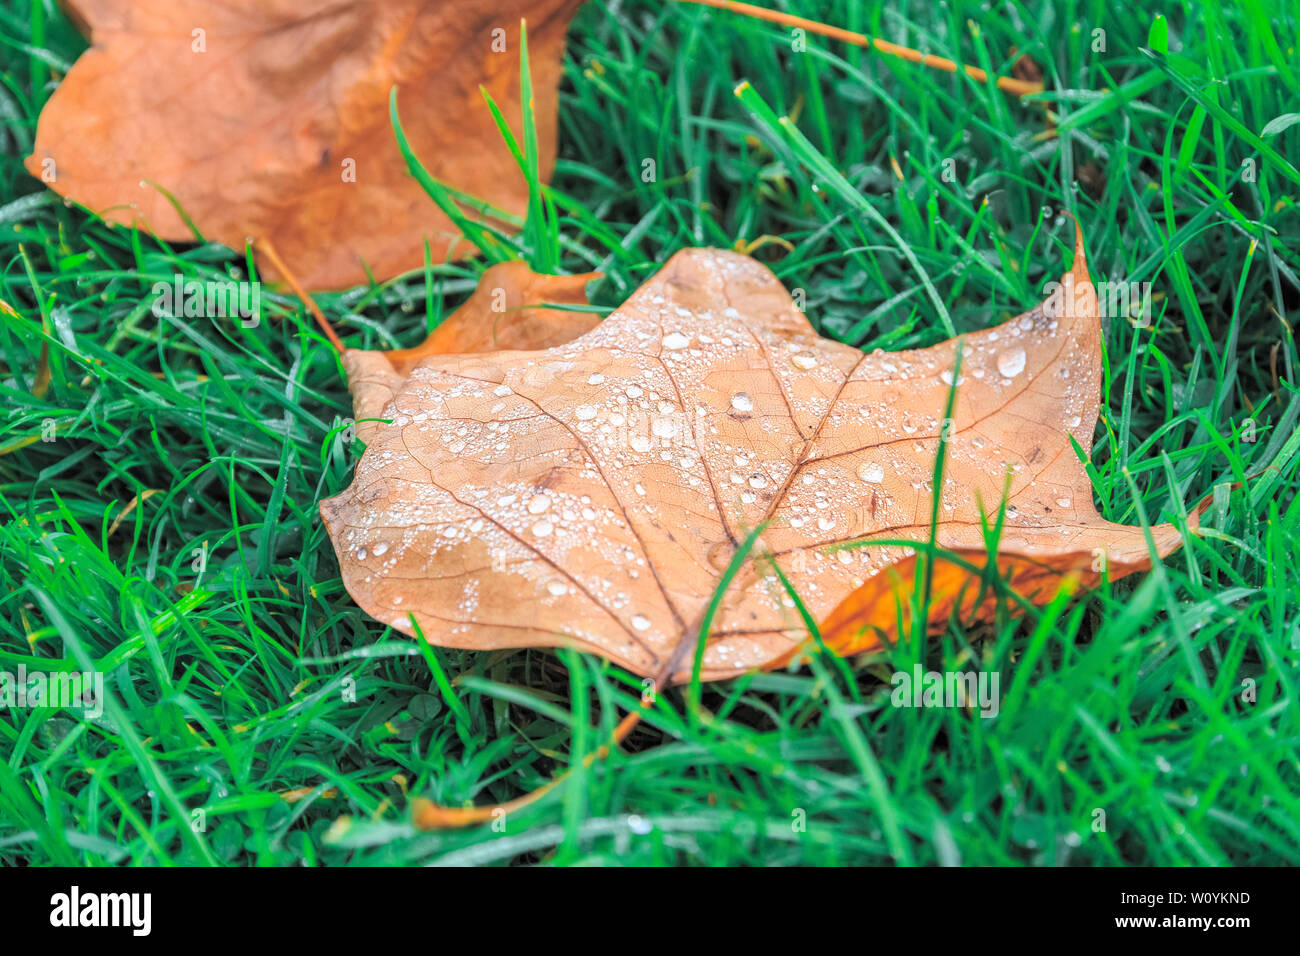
(269,250)
(1004,83)
(428,815)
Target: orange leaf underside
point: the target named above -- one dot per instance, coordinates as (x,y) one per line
(882,609)
(506,311)
(253,135)
(592,494)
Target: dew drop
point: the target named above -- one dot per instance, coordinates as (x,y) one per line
(804,360)
(1011,362)
(641,622)
(584,413)
(871,472)
(741,402)
(595,379)
(538,503)
(543,528)
(676,340)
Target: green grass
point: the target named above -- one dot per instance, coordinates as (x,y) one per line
(258,675)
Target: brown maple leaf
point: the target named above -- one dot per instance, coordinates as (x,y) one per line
(269,120)
(506,311)
(592,494)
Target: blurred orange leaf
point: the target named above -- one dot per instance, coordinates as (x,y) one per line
(268,119)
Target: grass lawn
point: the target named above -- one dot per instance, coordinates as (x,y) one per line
(158,497)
